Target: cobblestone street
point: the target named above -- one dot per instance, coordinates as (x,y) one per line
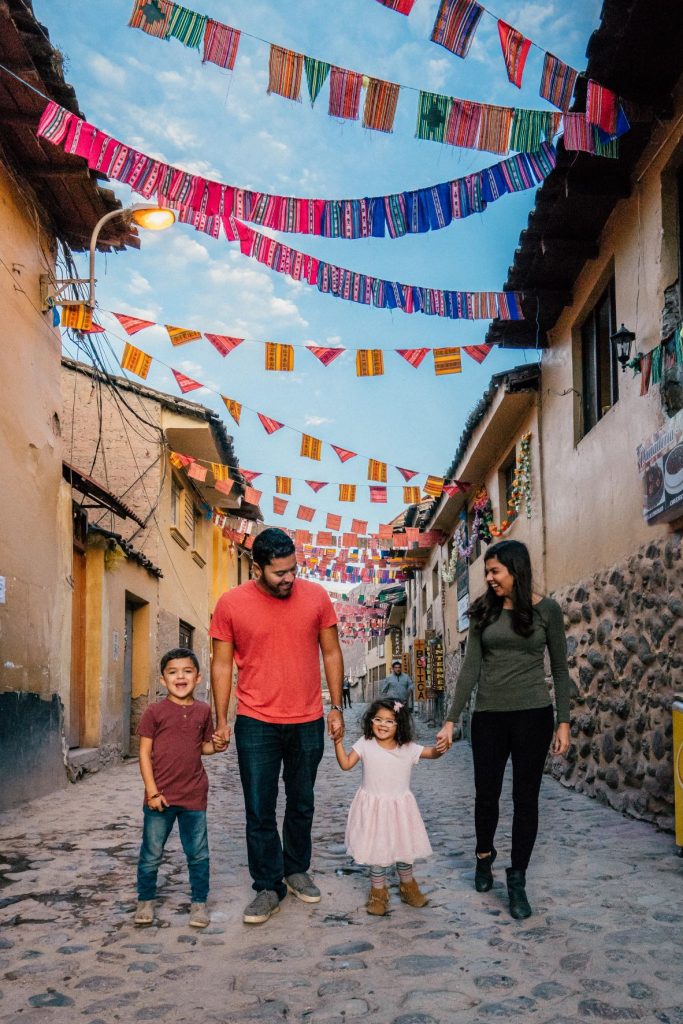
(605,941)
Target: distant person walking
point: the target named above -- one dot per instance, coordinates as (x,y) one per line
(346,692)
(273,628)
(511,628)
(398,685)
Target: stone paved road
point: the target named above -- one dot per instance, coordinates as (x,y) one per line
(605,942)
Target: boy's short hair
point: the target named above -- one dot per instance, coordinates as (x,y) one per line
(179,652)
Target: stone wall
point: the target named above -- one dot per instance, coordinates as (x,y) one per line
(625,642)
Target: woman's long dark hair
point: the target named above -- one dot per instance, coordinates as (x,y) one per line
(404,725)
(486,609)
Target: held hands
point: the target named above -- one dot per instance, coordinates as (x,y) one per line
(561,740)
(444,738)
(335,725)
(157,802)
(220,743)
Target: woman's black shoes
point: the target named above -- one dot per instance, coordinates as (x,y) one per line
(519,904)
(483,875)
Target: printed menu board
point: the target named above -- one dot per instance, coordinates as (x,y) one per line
(660,464)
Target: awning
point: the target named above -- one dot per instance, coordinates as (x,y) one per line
(101,497)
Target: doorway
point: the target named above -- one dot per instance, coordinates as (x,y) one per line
(135,670)
(76,725)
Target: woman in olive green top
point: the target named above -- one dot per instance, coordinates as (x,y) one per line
(510,629)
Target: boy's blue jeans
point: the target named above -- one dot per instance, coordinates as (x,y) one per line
(194,838)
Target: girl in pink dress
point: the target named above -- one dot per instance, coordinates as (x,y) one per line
(385,826)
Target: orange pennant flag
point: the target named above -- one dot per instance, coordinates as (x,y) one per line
(434,486)
(447,360)
(377,471)
(411,495)
(234,408)
(220,472)
(369,362)
(136,361)
(311,447)
(76,315)
(181,335)
(347,492)
(283,484)
(279,357)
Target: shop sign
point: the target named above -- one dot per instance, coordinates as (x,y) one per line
(660,465)
(420,670)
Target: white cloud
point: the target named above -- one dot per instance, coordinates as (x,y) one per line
(138,284)
(316,421)
(105,71)
(437,72)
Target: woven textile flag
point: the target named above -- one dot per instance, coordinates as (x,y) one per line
(402,6)
(249,474)
(515,51)
(412,535)
(197,472)
(414,356)
(456,24)
(220,472)
(279,357)
(220,44)
(578,133)
(76,315)
(386,531)
(432,114)
(462,126)
(407,474)
(434,486)
(602,107)
(268,424)
(279,506)
(181,335)
(377,471)
(234,408)
(494,128)
(378,495)
(343,453)
(347,492)
(345,87)
(152,16)
(530,127)
(478,352)
(350,540)
(285,69)
(186,26)
(316,76)
(333,522)
(305,513)
(325,539)
(447,360)
(557,82)
(369,362)
(311,447)
(136,361)
(316,485)
(325,355)
(222,343)
(224,486)
(359,526)
(411,495)
(381,100)
(185,383)
(132,324)
(179,461)
(251,496)
(283,484)
(302,537)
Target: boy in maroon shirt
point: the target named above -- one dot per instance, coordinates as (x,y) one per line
(174,733)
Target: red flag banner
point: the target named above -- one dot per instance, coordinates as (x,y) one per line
(515,51)
(477,352)
(251,496)
(249,474)
(224,486)
(359,526)
(305,513)
(197,472)
(185,383)
(279,506)
(333,522)
(268,424)
(132,324)
(350,540)
(234,408)
(386,531)
(414,356)
(325,539)
(222,343)
(135,361)
(343,453)
(407,474)
(325,355)
(402,6)
(456,24)
(378,495)
(316,485)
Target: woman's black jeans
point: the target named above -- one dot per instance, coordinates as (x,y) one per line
(497,735)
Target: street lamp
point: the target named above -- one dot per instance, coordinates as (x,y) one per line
(621,342)
(151,218)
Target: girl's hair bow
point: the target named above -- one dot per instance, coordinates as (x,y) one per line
(397,705)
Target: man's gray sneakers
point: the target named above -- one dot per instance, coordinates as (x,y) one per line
(264,905)
(144,913)
(301,886)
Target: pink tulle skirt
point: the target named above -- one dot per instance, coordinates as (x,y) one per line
(382,830)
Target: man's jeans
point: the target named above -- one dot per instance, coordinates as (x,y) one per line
(262,750)
(156,830)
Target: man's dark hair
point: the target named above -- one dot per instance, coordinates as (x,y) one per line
(271,544)
(179,652)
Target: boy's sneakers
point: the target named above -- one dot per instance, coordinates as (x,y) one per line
(264,905)
(301,886)
(199,915)
(144,914)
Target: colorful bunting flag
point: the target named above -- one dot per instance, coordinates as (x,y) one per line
(325,355)
(285,69)
(381,100)
(181,335)
(325,539)
(359,526)
(557,82)
(411,495)
(249,474)
(152,16)
(268,424)
(407,474)
(386,531)
(76,315)
(279,506)
(377,470)
(462,129)
(402,6)
(132,324)
(412,535)
(447,360)
(305,513)
(316,76)
(434,486)
(311,447)
(185,383)
(529,127)
(224,486)
(222,343)
(515,51)
(414,356)
(186,26)
(578,133)
(432,114)
(347,492)
(279,357)
(455,25)
(283,484)
(602,107)
(234,408)
(333,522)
(220,44)
(251,496)
(477,352)
(345,87)
(197,472)
(378,495)
(494,128)
(350,540)
(343,453)
(135,361)
(179,461)
(316,485)
(369,362)
(220,472)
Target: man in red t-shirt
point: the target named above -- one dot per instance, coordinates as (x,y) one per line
(273,628)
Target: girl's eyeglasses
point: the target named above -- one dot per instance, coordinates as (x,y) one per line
(382,721)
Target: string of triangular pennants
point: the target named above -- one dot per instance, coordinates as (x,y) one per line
(440,118)
(279,356)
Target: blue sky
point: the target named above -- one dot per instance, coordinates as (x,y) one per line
(159,96)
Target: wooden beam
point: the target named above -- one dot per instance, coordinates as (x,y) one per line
(570,249)
(610,183)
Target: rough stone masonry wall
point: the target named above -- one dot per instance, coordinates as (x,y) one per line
(625,641)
